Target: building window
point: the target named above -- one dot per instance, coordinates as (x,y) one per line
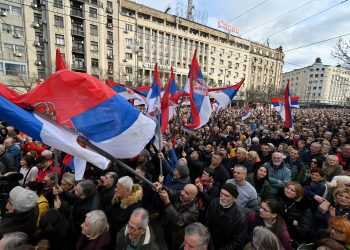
(4,7)
(128,27)
(128,70)
(6,27)
(221,62)
(14,69)
(59,22)
(8,48)
(93,12)
(93,30)
(38,37)
(37,17)
(109,5)
(59,39)
(94,46)
(94,62)
(109,51)
(20,49)
(40,56)
(128,42)
(18,30)
(110,66)
(2,71)
(94,2)
(128,56)
(16,11)
(58,4)
(110,35)
(41,73)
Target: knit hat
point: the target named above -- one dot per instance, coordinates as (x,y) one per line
(46,153)
(232,189)
(183,170)
(23,199)
(144,153)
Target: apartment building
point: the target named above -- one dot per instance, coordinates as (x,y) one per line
(122,41)
(320,84)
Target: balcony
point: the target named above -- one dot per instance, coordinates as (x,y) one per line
(78,49)
(109,41)
(109,25)
(77,13)
(77,32)
(109,10)
(78,66)
(109,56)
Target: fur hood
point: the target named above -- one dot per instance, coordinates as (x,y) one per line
(134,197)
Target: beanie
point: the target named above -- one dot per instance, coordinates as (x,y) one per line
(183,170)
(23,199)
(232,189)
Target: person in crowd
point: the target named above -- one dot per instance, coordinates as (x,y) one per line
(254,158)
(344,157)
(206,154)
(206,191)
(240,159)
(28,169)
(13,240)
(180,177)
(94,232)
(137,234)
(49,183)
(264,239)
(7,162)
(195,165)
(181,209)
(44,168)
(279,174)
(325,149)
(293,163)
(14,150)
(317,190)
(265,153)
(220,173)
(314,152)
(21,212)
(247,198)
(339,228)
(196,237)
(38,188)
(255,146)
(260,181)
(304,176)
(68,182)
(226,221)
(106,188)
(145,160)
(332,168)
(265,136)
(270,216)
(297,212)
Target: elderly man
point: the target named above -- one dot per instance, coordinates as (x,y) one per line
(7,163)
(196,237)
(106,189)
(314,152)
(137,234)
(279,174)
(247,198)
(241,159)
(14,150)
(180,210)
(226,220)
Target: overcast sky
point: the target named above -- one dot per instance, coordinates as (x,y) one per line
(331,23)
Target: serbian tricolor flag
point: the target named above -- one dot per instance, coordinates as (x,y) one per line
(153,96)
(225,95)
(276,102)
(86,105)
(284,107)
(76,165)
(169,101)
(126,92)
(197,89)
(247,111)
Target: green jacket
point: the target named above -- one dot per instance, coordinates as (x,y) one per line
(149,242)
(265,191)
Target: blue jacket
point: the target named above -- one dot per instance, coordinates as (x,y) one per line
(281,173)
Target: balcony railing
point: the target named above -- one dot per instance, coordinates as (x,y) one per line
(77,12)
(78,49)
(78,32)
(78,66)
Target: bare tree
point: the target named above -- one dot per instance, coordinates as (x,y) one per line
(24,83)
(341,51)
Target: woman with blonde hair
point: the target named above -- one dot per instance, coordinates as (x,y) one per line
(254,158)
(94,232)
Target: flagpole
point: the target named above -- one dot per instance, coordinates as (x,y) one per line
(100,151)
(56,166)
(160,143)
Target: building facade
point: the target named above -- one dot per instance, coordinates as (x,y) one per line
(320,84)
(122,41)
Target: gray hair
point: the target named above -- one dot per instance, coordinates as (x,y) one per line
(114,176)
(198,229)
(144,216)
(264,239)
(242,150)
(97,223)
(88,188)
(126,182)
(13,240)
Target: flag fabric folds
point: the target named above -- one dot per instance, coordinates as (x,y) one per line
(76,164)
(287,109)
(43,129)
(169,101)
(126,92)
(59,61)
(247,111)
(225,95)
(276,102)
(197,89)
(88,106)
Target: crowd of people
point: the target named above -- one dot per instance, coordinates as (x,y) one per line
(231,184)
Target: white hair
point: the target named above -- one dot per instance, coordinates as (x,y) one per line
(97,223)
(126,182)
(13,240)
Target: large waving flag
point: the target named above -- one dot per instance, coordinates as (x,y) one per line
(225,95)
(169,101)
(43,129)
(247,111)
(59,61)
(283,106)
(153,96)
(197,89)
(276,102)
(85,104)
(126,92)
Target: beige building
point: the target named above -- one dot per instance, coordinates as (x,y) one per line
(122,41)
(320,84)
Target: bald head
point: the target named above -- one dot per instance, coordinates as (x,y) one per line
(188,193)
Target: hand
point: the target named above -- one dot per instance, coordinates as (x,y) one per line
(324,206)
(164,197)
(319,199)
(295,223)
(158,186)
(183,154)
(332,211)
(57,190)
(200,187)
(161,156)
(57,202)
(161,178)
(151,149)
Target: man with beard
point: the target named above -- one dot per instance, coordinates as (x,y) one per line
(180,210)
(226,221)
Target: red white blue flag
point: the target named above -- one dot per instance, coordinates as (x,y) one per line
(225,95)
(247,111)
(169,101)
